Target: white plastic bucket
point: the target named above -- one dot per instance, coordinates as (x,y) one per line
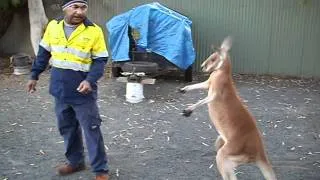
(20,63)
(21,70)
(134,92)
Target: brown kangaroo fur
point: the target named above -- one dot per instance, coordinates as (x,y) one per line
(239,139)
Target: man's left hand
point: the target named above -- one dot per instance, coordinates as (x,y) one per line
(84,87)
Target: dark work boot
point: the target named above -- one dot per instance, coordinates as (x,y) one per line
(67,169)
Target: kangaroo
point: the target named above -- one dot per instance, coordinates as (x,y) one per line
(239,141)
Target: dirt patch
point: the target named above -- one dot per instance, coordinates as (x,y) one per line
(152,140)
(5,65)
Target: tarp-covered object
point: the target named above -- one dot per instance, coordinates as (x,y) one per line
(162,31)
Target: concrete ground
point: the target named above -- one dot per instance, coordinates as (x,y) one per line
(151,140)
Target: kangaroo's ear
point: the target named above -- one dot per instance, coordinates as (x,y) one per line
(226,44)
(212,48)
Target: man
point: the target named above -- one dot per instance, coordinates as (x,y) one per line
(78,54)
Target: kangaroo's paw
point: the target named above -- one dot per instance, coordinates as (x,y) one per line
(182,90)
(187,112)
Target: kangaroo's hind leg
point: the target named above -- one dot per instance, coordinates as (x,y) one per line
(219,143)
(226,165)
(266,169)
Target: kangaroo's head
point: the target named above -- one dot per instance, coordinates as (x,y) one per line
(216,60)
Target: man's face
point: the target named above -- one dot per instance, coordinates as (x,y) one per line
(76,13)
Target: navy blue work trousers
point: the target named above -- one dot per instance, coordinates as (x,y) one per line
(73,118)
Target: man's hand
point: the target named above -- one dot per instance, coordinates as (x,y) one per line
(84,87)
(31,86)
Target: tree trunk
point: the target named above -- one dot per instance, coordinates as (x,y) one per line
(38,21)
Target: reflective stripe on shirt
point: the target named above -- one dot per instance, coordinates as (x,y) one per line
(62,49)
(63,64)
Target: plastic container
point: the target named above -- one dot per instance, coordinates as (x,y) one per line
(134,92)
(20,63)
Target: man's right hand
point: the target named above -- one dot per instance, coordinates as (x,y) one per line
(31,86)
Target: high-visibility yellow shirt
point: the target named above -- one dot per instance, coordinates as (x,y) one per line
(85,44)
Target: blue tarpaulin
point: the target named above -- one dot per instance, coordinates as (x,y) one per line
(162,31)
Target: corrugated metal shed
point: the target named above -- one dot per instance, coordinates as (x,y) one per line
(270,36)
